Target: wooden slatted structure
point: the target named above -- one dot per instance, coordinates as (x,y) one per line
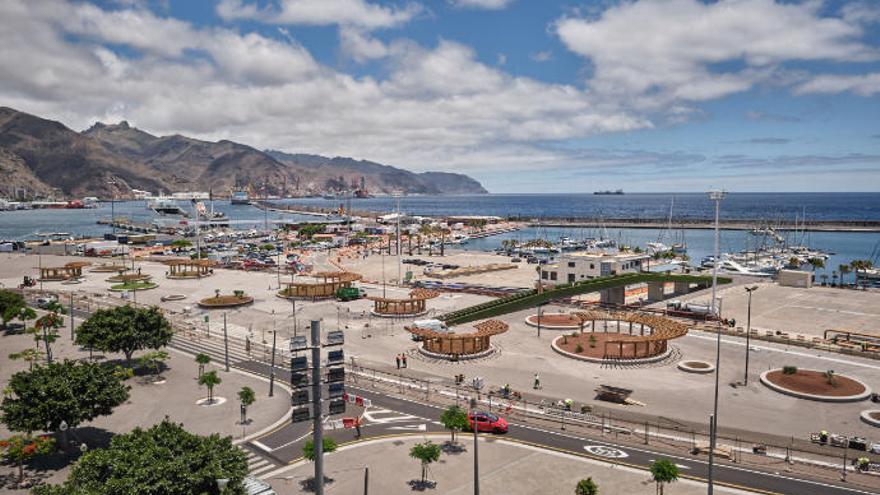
(454,343)
(415,304)
(188,268)
(652,337)
(323,285)
(74,269)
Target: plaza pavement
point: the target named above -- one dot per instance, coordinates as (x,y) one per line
(506,468)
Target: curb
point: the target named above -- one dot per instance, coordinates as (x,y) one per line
(683,366)
(865,416)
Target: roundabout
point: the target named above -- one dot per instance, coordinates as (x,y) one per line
(815,385)
(227,301)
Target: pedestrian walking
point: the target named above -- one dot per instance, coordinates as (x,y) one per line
(247,345)
(404,359)
(357,426)
(397,358)
(537,382)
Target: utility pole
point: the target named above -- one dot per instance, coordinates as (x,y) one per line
(272,367)
(399,279)
(317,423)
(748,332)
(71,316)
(366,479)
(715,196)
(476,453)
(226,344)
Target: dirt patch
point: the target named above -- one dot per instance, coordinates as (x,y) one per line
(875,415)
(225,301)
(815,383)
(596,347)
(556,320)
(696,365)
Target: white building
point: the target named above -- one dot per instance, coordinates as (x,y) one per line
(577,266)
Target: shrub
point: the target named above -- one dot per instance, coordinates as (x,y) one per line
(592,340)
(789,370)
(830,378)
(579,349)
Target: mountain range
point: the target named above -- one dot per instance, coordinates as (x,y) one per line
(40,157)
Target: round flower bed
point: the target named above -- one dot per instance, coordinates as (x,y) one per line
(231,301)
(133,286)
(174,297)
(696,367)
(815,385)
(871,416)
(129,277)
(561,321)
(582,348)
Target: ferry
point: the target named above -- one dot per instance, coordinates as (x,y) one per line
(240,197)
(166,207)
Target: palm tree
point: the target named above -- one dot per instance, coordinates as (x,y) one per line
(834,276)
(824,278)
(210,380)
(203,359)
(844,269)
(857,265)
(664,471)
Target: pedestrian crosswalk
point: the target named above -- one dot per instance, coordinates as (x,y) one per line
(257,465)
(214,348)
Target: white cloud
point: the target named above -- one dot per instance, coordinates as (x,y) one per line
(358,13)
(481,4)
(544,56)
(433,107)
(671,50)
(863,85)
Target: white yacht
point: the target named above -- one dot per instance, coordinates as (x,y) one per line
(166,207)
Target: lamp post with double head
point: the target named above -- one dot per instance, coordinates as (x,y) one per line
(748,332)
(715,196)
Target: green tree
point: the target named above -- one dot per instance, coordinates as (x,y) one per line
(29,355)
(165,459)
(26,314)
(69,391)
(202,359)
(20,448)
(586,487)
(125,329)
(246,396)
(843,269)
(11,304)
(454,419)
(663,471)
(426,453)
(816,263)
(328,446)
(47,328)
(153,361)
(857,265)
(210,380)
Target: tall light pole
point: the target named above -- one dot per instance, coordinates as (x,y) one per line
(748,332)
(113,206)
(473,404)
(397,195)
(715,196)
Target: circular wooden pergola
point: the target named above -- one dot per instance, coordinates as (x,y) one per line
(649,339)
(186,268)
(414,305)
(453,344)
(74,269)
(322,285)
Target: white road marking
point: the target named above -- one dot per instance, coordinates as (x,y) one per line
(421,427)
(261,445)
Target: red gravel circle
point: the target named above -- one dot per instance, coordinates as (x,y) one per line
(814,383)
(599,350)
(556,320)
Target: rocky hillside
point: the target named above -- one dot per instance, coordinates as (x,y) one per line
(44,157)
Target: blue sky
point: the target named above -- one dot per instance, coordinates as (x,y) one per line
(524,95)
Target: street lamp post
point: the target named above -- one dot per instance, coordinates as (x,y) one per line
(715,196)
(473,404)
(226,344)
(272,366)
(748,332)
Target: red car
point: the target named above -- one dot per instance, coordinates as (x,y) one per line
(487,422)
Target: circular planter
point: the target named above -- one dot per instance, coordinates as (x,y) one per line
(461,357)
(72,281)
(782,389)
(696,367)
(580,357)
(871,416)
(129,287)
(225,302)
(554,321)
(130,277)
(210,403)
(108,269)
(173,297)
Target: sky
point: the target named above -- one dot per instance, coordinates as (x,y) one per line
(523,95)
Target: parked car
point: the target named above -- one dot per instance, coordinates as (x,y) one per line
(487,422)
(45,302)
(516,260)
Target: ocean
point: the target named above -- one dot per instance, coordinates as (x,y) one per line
(782,207)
